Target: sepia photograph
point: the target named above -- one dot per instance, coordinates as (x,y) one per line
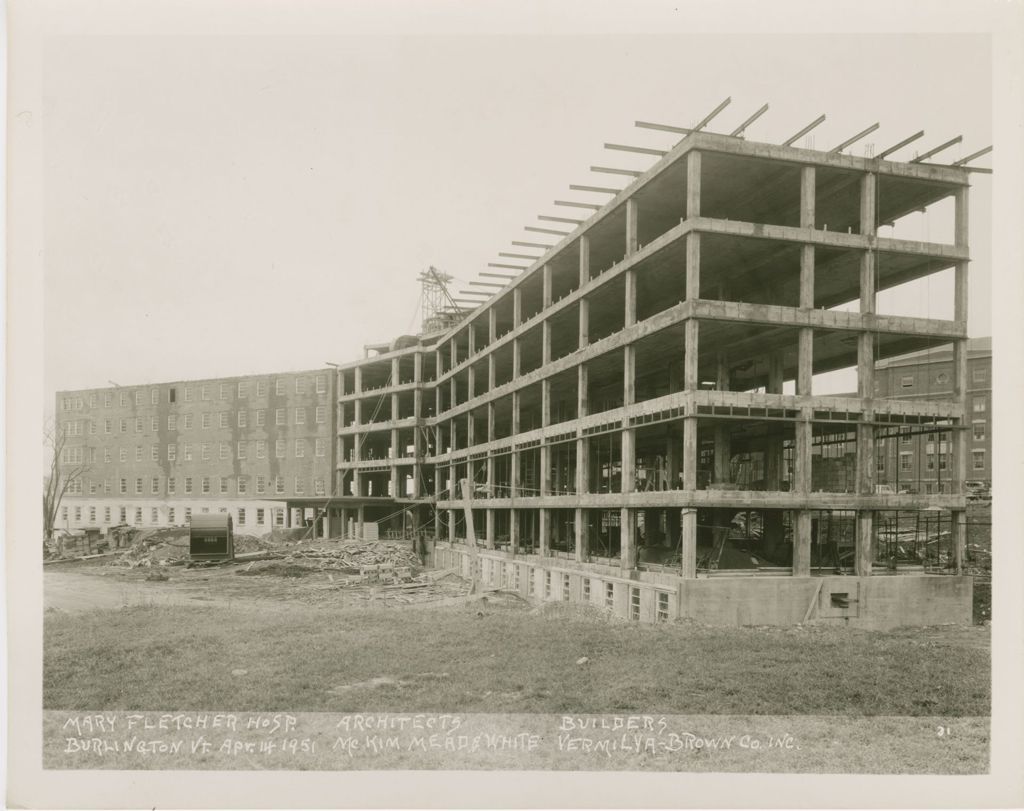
(610,393)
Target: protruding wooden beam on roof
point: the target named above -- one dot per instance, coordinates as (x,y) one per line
(640,150)
(604,189)
(467,305)
(590,206)
(538,230)
(510,267)
(804,131)
(498,275)
(707,119)
(489,284)
(901,144)
(610,171)
(938,149)
(855,138)
(531,244)
(517,256)
(549,218)
(475,293)
(972,156)
(738,132)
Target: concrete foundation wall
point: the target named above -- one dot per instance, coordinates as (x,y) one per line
(877,602)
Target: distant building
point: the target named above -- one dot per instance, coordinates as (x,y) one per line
(926,459)
(157,453)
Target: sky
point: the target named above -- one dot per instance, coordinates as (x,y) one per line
(226,204)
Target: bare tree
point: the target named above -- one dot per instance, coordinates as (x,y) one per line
(64,473)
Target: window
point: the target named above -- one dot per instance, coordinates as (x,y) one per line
(188,514)
(74,456)
(321,446)
(261,416)
(123,483)
(241,419)
(530,585)
(204,391)
(122,425)
(907,382)
(207,420)
(300,448)
(321,414)
(106,426)
(224,419)
(171,483)
(261,449)
(138,425)
(279,517)
(78,513)
(241,450)
(279,449)
(565,588)
(138,515)
(204,451)
(124,514)
(979,430)
(943,461)
(930,461)
(279,485)
(224,391)
(188,394)
(63,513)
(300,416)
(879,461)
(634,603)
(321,384)
(261,388)
(241,515)
(261,485)
(662,607)
(124,399)
(188,485)
(279,417)
(154,396)
(154,518)
(138,487)
(106,455)
(205,485)
(140,398)
(300,385)
(225,450)
(260,515)
(187,418)
(170,515)
(172,395)
(978,460)
(300,486)
(979,405)
(280,387)
(243,388)
(92,487)
(319,488)
(979,374)
(223,485)
(547,585)
(106,400)
(243,485)
(155,489)
(906,461)
(92,426)
(188,453)
(138,453)
(154,424)
(172,452)
(106,515)
(172,422)
(609,595)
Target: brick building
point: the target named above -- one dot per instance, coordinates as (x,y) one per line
(157,453)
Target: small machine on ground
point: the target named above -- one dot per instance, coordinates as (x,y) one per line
(211,538)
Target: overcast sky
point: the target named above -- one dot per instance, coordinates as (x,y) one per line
(220,205)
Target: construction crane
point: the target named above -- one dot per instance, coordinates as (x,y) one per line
(440,309)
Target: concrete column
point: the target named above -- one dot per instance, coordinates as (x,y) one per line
(451,523)
(344,522)
(628,374)
(693,266)
(470,430)
(582,465)
(545,342)
(513,531)
(582,387)
(453,351)
(470,382)
(722,371)
(490,421)
(863,554)
(802,544)
(582,536)
(545,402)
(807,195)
(691,380)
(395,372)
(517,306)
(805,362)
(692,184)
(544,532)
(627,539)
(513,474)
(584,260)
(631,226)
(516,358)
(773,464)
(417,367)
(492,325)
(584,328)
(545,286)
(868,196)
(515,413)
(803,435)
(630,298)
(358,374)
(723,453)
(776,373)
(628,460)
(689,453)
(360,521)
(357,414)
(490,528)
(688,544)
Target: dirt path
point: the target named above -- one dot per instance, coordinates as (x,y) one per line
(76,592)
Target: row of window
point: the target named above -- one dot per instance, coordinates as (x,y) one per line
(79,454)
(205,391)
(943,460)
(154,514)
(192,485)
(978,375)
(186,422)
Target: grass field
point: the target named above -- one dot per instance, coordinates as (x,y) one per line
(483,658)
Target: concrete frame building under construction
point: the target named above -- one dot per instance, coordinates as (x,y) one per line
(610,424)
